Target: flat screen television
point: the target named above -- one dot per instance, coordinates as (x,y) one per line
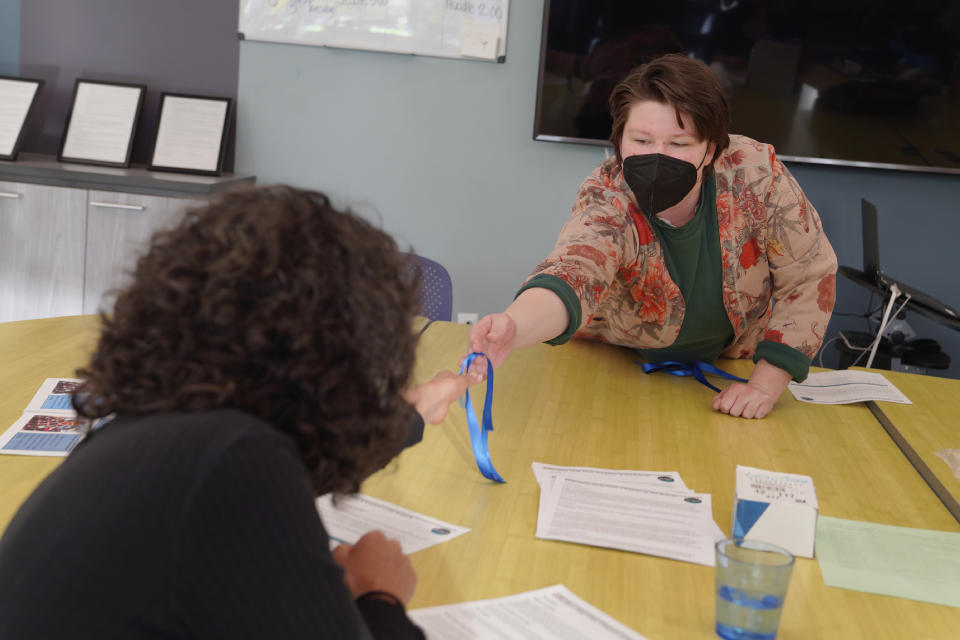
(872,83)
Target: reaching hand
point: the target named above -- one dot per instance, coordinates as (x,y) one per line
(745,401)
(756,398)
(376,563)
(432,399)
(493,335)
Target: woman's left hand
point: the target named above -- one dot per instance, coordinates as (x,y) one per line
(756,398)
(742,400)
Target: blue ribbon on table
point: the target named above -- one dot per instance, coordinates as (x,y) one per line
(478,433)
(697,369)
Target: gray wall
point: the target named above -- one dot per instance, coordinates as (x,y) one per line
(440,151)
(174,45)
(9,37)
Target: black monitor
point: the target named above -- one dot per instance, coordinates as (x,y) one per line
(871,239)
(875,276)
(867,83)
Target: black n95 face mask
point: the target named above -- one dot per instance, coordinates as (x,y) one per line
(658,181)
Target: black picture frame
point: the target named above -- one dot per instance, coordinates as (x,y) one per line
(207,134)
(17,135)
(72,149)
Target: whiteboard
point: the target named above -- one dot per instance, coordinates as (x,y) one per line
(475,29)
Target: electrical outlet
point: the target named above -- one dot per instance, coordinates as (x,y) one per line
(467,318)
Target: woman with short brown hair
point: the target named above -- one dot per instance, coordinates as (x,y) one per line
(687,245)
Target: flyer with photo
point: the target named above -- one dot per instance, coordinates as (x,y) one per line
(48,426)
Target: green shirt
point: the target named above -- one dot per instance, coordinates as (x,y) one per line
(692,254)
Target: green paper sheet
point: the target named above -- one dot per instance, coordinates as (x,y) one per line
(916,564)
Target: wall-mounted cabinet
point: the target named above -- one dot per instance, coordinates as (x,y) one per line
(71,234)
(119,227)
(43,234)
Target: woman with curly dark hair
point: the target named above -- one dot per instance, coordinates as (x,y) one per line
(259,358)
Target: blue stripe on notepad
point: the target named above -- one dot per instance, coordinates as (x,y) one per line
(58,442)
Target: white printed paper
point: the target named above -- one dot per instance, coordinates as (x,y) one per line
(667,480)
(668,524)
(16,96)
(356,515)
(845,387)
(190,133)
(547,475)
(101,123)
(552,612)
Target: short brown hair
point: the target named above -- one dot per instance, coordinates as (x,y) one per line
(688,85)
(273,302)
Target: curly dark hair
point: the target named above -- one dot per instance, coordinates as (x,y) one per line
(271,301)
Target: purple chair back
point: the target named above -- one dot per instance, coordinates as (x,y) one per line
(436,288)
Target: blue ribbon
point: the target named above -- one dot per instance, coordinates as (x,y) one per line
(478,435)
(697,369)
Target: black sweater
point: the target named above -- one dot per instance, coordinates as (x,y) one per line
(181,526)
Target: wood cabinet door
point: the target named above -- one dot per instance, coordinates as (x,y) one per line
(119,228)
(42,236)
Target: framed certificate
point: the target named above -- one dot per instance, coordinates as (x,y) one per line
(17,98)
(101,124)
(191,134)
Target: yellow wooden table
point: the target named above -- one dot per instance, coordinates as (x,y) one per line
(30,352)
(588,404)
(930,424)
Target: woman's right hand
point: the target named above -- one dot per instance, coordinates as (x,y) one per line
(536,315)
(493,335)
(376,563)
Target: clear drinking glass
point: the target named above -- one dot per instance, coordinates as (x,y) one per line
(752,580)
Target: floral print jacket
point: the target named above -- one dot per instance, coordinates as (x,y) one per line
(779,270)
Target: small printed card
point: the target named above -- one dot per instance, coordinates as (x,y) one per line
(48,426)
(351,517)
(780,508)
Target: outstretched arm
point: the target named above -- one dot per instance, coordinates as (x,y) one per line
(535,316)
